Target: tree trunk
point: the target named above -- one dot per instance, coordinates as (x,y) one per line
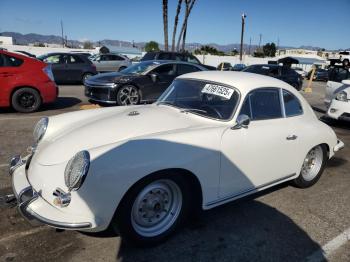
(165,23)
(178,10)
(189,6)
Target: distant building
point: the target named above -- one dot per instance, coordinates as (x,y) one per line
(130,52)
(6,40)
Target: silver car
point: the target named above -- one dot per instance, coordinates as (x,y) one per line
(110,62)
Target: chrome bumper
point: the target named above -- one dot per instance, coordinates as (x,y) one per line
(27,195)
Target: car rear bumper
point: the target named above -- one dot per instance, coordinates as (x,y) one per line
(49,91)
(339,146)
(37,210)
(339,110)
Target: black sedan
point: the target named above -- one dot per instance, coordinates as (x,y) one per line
(142,82)
(69,67)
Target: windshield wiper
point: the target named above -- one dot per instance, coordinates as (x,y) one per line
(185,110)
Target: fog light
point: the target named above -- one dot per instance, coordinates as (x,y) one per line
(61,199)
(332,110)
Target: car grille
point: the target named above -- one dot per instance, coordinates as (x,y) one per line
(102,94)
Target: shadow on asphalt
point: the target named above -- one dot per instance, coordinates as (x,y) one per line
(61,103)
(336,162)
(320,110)
(335,123)
(243,231)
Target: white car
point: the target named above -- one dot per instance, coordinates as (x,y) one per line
(334,85)
(300,71)
(343,57)
(339,108)
(211,138)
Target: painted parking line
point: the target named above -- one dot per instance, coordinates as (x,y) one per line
(328,249)
(3,165)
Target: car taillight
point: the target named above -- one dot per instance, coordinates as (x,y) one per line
(47,70)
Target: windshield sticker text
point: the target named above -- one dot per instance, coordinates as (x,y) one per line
(218,90)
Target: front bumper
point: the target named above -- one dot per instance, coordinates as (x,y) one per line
(34,208)
(339,110)
(339,146)
(100,93)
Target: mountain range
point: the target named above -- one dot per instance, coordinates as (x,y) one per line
(25,39)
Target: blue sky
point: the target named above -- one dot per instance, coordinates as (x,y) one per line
(322,23)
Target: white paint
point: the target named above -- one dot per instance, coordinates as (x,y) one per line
(329,248)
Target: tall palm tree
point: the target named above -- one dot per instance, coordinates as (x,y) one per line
(189,6)
(165,23)
(178,10)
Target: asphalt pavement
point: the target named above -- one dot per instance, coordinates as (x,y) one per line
(281,224)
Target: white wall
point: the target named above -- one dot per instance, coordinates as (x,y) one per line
(216,60)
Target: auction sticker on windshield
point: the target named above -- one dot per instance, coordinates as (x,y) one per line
(217,90)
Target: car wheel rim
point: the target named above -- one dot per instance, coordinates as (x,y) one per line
(26,100)
(312,163)
(128,95)
(156,208)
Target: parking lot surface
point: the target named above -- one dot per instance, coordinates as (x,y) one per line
(281,224)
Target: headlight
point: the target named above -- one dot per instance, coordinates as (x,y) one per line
(342,96)
(76,170)
(40,129)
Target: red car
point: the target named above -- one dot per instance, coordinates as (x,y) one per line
(25,83)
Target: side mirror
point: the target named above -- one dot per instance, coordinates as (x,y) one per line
(243,121)
(154,77)
(346,82)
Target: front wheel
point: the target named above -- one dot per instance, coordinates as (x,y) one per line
(26,100)
(128,95)
(312,168)
(152,210)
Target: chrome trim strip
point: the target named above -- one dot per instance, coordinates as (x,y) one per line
(246,192)
(15,162)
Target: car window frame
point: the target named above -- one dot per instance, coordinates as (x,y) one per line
(284,106)
(190,65)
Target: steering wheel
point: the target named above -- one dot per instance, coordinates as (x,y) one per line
(213,109)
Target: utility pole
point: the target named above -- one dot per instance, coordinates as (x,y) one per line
(242,34)
(62,33)
(260,36)
(250,44)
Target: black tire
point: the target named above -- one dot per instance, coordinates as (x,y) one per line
(346,62)
(122,222)
(121,68)
(124,91)
(301,182)
(26,100)
(85,76)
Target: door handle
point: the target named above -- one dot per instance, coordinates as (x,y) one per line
(291,137)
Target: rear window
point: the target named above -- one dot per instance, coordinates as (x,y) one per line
(75,60)
(13,61)
(148,56)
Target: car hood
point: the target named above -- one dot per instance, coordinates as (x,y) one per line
(81,130)
(114,77)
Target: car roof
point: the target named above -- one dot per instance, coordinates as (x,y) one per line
(161,62)
(243,81)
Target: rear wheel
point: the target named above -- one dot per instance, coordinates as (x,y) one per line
(128,95)
(313,166)
(26,100)
(346,62)
(153,209)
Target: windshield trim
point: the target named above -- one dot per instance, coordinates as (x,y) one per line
(210,82)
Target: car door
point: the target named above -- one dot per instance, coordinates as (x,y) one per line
(165,74)
(58,66)
(75,67)
(261,154)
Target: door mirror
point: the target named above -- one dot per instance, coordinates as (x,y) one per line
(242,121)
(154,77)
(346,82)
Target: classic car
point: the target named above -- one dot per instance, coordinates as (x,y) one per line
(212,137)
(339,108)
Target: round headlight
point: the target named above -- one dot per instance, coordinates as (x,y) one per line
(76,170)
(40,129)
(342,96)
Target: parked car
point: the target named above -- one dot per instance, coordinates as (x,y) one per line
(283,73)
(178,56)
(224,66)
(319,75)
(26,53)
(25,83)
(69,67)
(142,82)
(238,67)
(343,58)
(111,62)
(300,71)
(87,54)
(211,138)
(336,74)
(339,108)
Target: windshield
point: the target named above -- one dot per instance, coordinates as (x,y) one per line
(202,98)
(140,68)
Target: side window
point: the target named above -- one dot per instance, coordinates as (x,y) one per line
(291,104)
(263,104)
(12,61)
(192,59)
(118,58)
(54,59)
(104,58)
(165,70)
(75,60)
(2,62)
(179,57)
(184,69)
(164,56)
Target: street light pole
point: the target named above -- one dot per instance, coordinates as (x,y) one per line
(242,33)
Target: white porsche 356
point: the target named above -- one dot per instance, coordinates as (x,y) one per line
(211,138)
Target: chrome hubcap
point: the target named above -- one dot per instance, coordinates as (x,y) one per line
(156,208)
(312,163)
(128,95)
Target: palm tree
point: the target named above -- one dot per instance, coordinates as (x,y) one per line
(178,10)
(165,23)
(189,6)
